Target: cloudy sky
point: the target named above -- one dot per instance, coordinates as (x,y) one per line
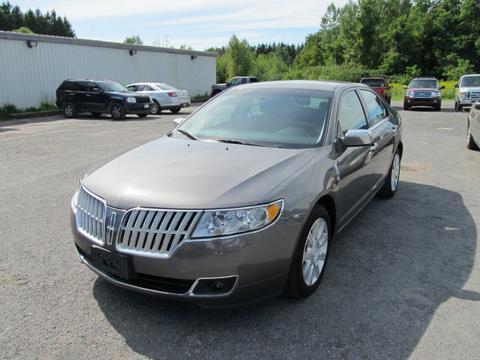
(196,23)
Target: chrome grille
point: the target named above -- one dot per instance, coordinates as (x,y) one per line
(155,232)
(422,94)
(474,95)
(90,215)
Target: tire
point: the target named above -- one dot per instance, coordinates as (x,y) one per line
(304,277)
(471,144)
(142,115)
(389,101)
(69,110)
(117,111)
(438,107)
(156,109)
(405,107)
(390,186)
(175,110)
(458,107)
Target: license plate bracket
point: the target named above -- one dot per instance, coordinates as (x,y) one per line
(114,264)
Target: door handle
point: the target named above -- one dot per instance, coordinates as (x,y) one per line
(374,148)
(394,130)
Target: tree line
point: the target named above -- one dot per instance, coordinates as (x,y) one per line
(49,23)
(396,38)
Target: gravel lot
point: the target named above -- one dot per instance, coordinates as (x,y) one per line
(403,280)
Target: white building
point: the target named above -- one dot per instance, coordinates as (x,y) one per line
(33,66)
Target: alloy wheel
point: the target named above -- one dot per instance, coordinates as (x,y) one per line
(315,251)
(68,110)
(116,111)
(155,109)
(395,172)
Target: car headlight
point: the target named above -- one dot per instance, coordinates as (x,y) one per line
(410,93)
(462,94)
(131,99)
(214,223)
(435,93)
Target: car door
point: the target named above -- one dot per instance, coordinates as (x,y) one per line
(352,163)
(81,98)
(96,98)
(383,129)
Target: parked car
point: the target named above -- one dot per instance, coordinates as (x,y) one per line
(164,96)
(240,201)
(423,92)
(468,91)
(98,97)
(237,80)
(473,127)
(380,86)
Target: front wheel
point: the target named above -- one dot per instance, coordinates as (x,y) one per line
(310,257)
(69,110)
(155,109)
(458,107)
(390,186)
(117,111)
(405,107)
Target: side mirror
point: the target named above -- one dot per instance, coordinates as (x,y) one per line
(442,87)
(405,87)
(456,85)
(178,121)
(357,138)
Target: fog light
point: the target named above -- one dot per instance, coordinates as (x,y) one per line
(215,286)
(218,285)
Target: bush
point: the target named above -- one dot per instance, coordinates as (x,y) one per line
(7,109)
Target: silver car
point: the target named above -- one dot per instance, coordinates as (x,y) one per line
(240,201)
(468,91)
(164,96)
(473,127)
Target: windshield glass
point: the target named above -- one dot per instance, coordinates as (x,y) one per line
(429,84)
(163,86)
(471,81)
(112,86)
(291,118)
(373,82)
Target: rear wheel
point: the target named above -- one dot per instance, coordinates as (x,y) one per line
(471,144)
(310,257)
(390,186)
(175,110)
(117,112)
(69,110)
(155,109)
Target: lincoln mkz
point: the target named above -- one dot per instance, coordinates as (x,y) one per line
(242,199)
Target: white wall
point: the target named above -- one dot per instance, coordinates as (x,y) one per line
(30,75)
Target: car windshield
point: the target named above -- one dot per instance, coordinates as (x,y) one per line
(163,86)
(373,82)
(423,83)
(112,86)
(471,81)
(292,118)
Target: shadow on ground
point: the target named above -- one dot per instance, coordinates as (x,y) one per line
(388,273)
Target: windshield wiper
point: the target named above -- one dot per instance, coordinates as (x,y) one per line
(240,142)
(187,134)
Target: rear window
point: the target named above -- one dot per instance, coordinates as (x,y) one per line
(69,86)
(163,86)
(471,81)
(373,82)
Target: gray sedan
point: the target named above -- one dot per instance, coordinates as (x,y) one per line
(241,201)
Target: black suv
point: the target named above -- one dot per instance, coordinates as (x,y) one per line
(98,97)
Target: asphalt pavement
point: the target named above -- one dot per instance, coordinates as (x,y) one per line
(403,280)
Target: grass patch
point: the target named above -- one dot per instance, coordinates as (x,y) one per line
(8,110)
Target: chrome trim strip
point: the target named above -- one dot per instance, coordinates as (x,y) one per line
(99,241)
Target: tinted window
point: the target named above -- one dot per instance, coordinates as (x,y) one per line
(132,88)
(373,82)
(82,85)
(268,117)
(350,113)
(235,81)
(163,86)
(424,83)
(253,80)
(244,80)
(69,86)
(376,111)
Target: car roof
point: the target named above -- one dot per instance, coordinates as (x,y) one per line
(425,78)
(468,75)
(304,85)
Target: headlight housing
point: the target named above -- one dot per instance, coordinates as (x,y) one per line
(410,93)
(218,223)
(462,94)
(131,99)
(435,93)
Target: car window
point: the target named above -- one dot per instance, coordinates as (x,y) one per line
(267,117)
(244,80)
(93,87)
(70,86)
(132,88)
(163,86)
(82,85)
(350,114)
(473,81)
(374,82)
(376,111)
(235,81)
(424,83)
(253,80)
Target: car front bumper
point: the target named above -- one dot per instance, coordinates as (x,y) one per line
(256,266)
(138,108)
(411,101)
(466,102)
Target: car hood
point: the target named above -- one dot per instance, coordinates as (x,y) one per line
(176,173)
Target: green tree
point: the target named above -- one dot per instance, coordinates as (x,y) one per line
(134,39)
(240,57)
(23,30)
